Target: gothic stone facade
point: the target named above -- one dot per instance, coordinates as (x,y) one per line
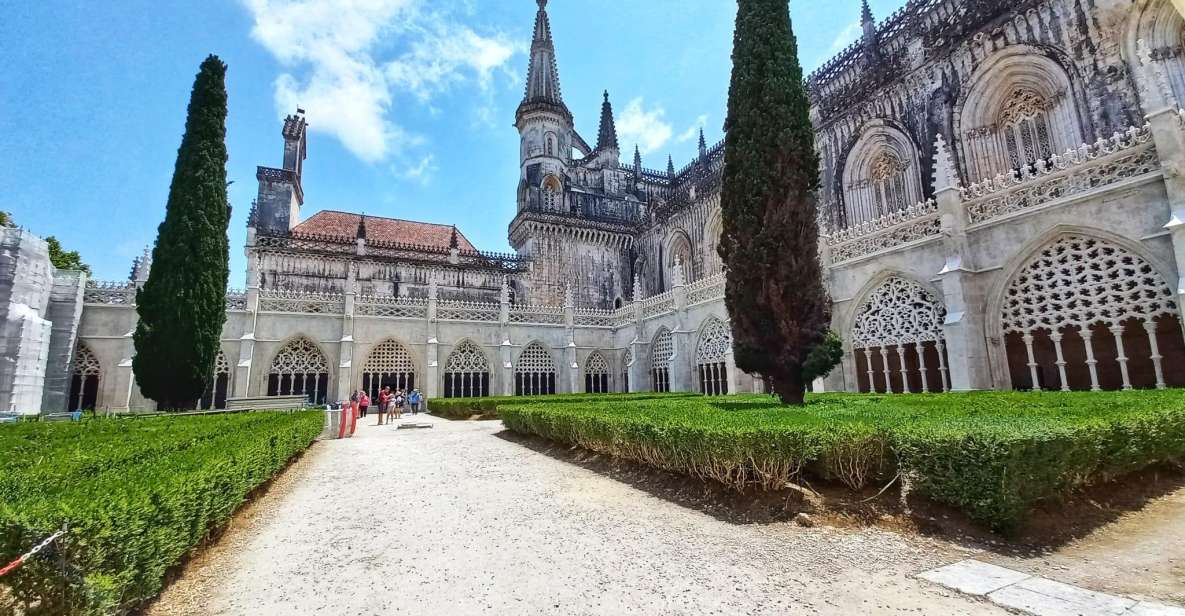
(1002,207)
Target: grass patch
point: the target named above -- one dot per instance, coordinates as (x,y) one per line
(991,454)
(487,408)
(136,494)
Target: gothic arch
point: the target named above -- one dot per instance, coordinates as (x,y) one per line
(596,374)
(881,175)
(1021,106)
(299,367)
(389,364)
(662,354)
(466,371)
(1083,308)
(1162,29)
(85,375)
(677,250)
(551,190)
(534,371)
(896,328)
(214,397)
(713,344)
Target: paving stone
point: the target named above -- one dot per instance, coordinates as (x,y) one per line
(1043,597)
(974,577)
(1144,608)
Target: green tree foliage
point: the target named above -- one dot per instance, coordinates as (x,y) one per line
(779,309)
(63,259)
(182,306)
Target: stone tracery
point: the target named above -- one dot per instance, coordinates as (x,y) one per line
(903,315)
(86,373)
(299,368)
(466,372)
(662,351)
(534,372)
(596,374)
(389,365)
(715,343)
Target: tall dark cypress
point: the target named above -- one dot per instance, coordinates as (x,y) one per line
(182,306)
(776,300)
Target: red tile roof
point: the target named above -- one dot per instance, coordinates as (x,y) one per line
(345,225)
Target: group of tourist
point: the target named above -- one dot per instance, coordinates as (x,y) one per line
(391,404)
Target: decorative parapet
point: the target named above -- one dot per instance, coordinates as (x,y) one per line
(537,315)
(236,300)
(1108,161)
(706,289)
(332,244)
(391,307)
(658,305)
(594,317)
(302,303)
(451,310)
(120,293)
(917,222)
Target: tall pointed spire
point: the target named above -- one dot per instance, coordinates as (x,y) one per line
(670,166)
(703,145)
(607,135)
(543,78)
(637,161)
(868,23)
(866,14)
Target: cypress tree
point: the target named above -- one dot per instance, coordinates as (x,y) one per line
(775,296)
(182,306)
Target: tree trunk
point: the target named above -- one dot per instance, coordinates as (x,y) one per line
(789,387)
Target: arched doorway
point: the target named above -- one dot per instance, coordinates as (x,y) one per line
(466,372)
(596,374)
(715,343)
(898,335)
(534,372)
(662,351)
(299,368)
(388,365)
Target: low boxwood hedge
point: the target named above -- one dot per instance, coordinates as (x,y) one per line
(487,408)
(135,494)
(993,455)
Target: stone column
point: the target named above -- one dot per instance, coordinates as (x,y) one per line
(683,362)
(572,365)
(345,369)
(639,378)
(964,329)
(1165,122)
(734,380)
(506,370)
(242,368)
(431,385)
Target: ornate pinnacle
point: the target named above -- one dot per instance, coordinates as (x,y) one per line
(637,288)
(607,134)
(505,295)
(452,240)
(569,297)
(703,145)
(677,277)
(361,234)
(945,175)
(670,166)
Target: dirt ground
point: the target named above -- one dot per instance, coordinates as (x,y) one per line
(459,519)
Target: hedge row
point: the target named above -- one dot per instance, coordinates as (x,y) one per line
(993,455)
(136,496)
(487,408)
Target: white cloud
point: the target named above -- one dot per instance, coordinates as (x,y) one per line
(844,38)
(693,131)
(347,61)
(645,128)
(421,172)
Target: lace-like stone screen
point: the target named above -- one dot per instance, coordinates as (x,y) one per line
(215,395)
(596,374)
(466,372)
(299,368)
(1084,313)
(661,353)
(715,341)
(534,374)
(389,365)
(84,380)
(893,328)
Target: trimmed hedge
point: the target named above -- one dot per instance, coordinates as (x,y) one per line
(136,494)
(487,408)
(993,455)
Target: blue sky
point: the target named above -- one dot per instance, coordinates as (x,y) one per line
(411,102)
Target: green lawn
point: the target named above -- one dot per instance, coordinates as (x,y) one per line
(136,494)
(487,408)
(990,454)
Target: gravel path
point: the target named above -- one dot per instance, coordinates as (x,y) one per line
(455,520)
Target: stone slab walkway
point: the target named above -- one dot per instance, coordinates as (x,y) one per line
(1030,594)
(457,520)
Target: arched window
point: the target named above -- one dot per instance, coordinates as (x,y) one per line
(84,380)
(596,374)
(534,373)
(553,194)
(1019,109)
(1024,126)
(1162,29)
(662,351)
(389,365)
(712,232)
(549,146)
(467,372)
(881,175)
(898,335)
(678,257)
(626,362)
(1083,313)
(215,395)
(715,342)
(299,368)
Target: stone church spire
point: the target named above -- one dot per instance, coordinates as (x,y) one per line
(607,134)
(868,23)
(670,166)
(543,77)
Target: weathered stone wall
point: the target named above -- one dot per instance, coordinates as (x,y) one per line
(65,312)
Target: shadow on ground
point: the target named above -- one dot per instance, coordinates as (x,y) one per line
(1051,524)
